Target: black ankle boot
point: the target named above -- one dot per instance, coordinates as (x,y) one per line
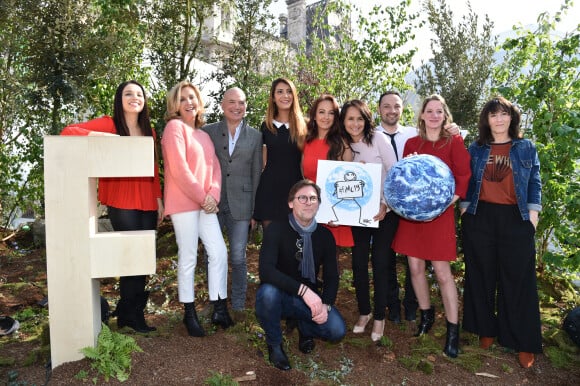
(451,348)
(278,358)
(129,313)
(140,325)
(427,320)
(191,322)
(220,314)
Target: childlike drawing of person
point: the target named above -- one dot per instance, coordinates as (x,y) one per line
(350,189)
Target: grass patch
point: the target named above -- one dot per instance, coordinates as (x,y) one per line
(562,359)
(219,379)
(358,342)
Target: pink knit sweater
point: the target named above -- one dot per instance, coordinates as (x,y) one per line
(192,169)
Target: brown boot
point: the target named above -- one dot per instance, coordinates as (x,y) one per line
(485,342)
(526,359)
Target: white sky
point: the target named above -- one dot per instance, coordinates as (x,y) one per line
(504,14)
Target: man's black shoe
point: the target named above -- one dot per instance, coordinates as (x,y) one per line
(395,314)
(305,343)
(278,357)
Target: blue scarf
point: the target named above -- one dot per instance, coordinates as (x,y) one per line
(307,264)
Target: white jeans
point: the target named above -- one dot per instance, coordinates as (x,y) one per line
(189,227)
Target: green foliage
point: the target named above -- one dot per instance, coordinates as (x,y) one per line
(562,359)
(346,280)
(558,338)
(462,61)
(357,64)
(250,62)
(82,375)
(414,363)
(7,361)
(219,379)
(59,61)
(32,320)
(385,342)
(507,368)
(540,74)
(112,356)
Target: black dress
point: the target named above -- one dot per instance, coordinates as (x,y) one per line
(281,172)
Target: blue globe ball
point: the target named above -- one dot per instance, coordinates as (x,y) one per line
(420,187)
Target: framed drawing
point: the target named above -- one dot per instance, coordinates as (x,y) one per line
(350,192)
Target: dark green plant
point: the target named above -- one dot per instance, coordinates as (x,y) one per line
(112,356)
(219,379)
(462,61)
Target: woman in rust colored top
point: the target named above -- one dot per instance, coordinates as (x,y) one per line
(133,203)
(499,219)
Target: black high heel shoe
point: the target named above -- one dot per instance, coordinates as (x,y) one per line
(427,320)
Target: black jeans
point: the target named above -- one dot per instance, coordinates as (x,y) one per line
(131,287)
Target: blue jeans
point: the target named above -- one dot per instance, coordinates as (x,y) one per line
(274,304)
(237,231)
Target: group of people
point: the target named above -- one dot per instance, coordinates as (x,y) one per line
(230,176)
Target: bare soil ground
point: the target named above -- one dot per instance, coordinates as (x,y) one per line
(171,357)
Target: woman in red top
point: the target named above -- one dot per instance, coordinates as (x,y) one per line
(435,240)
(133,203)
(324,142)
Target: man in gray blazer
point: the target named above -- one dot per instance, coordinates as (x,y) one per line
(239,150)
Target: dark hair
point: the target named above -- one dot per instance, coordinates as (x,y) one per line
(119,115)
(299,185)
(334,137)
(493,106)
(389,92)
(364,110)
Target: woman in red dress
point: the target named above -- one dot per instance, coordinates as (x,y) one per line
(435,240)
(325,142)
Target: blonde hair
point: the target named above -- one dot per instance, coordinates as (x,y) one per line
(448,117)
(173,100)
(297,123)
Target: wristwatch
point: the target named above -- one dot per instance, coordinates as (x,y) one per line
(328,307)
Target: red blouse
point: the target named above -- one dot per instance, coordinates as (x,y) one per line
(139,193)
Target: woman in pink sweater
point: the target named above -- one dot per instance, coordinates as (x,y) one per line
(192,192)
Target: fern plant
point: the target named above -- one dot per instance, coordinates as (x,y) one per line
(112,356)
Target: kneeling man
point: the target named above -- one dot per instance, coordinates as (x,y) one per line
(292,255)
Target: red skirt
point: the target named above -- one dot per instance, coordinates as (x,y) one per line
(432,240)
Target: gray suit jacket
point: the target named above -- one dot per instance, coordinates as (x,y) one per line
(240,171)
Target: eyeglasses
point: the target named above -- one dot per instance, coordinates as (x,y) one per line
(299,245)
(304,199)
